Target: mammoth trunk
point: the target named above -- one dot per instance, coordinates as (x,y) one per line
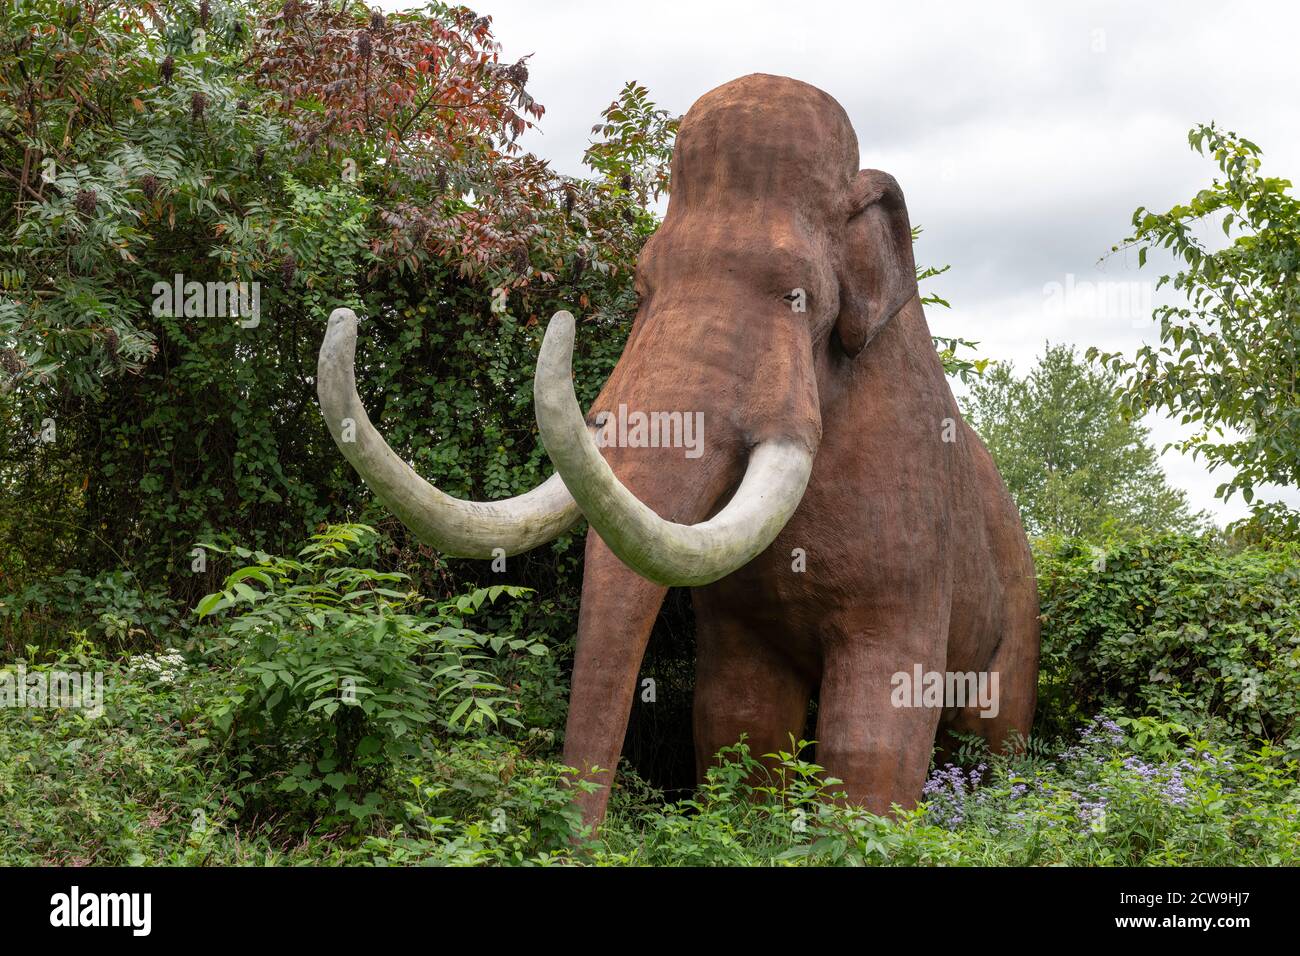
(619,606)
(618,611)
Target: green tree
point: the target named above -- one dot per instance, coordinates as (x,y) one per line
(1074,462)
(334,156)
(1229,353)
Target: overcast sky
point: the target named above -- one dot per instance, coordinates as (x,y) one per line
(1023,135)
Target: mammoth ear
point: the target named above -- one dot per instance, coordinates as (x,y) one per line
(879,272)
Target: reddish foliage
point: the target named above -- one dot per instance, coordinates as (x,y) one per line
(428,105)
(402,80)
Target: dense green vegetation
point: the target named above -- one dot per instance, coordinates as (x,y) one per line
(334,717)
(399,192)
(282,686)
(1182,629)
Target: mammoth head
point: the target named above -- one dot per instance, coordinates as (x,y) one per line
(775,250)
(777,159)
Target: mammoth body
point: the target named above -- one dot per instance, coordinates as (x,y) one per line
(843,531)
(915,561)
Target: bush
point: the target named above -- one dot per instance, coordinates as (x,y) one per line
(141,784)
(1182,629)
(480,802)
(137,784)
(747,815)
(245,159)
(336,676)
(1106,799)
(1154,797)
(112,608)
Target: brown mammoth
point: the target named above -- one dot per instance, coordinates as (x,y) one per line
(844,532)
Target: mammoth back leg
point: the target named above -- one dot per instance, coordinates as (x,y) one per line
(995,626)
(1005,726)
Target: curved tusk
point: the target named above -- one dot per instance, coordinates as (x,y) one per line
(468,529)
(667,553)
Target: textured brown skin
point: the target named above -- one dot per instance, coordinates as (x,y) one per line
(915,552)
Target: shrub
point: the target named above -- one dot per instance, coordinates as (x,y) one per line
(481,802)
(336,675)
(1178,628)
(137,784)
(142,784)
(173,428)
(1108,800)
(112,608)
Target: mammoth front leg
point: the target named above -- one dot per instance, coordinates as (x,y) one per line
(879,750)
(618,612)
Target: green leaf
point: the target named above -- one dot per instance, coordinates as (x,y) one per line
(209,604)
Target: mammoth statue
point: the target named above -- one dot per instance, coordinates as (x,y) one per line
(845,534)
